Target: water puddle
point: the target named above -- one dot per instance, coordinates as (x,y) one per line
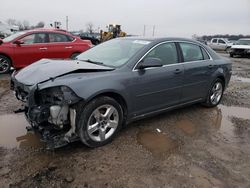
(227,128)
(13,133)
(220,119)
(186,126)
(157,143)
(241,79)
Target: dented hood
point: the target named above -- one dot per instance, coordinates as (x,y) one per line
(47,69)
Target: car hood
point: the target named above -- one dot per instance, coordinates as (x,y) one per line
(241,47)
(47,69)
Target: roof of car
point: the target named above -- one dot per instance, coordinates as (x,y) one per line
(244,39)
(159,39)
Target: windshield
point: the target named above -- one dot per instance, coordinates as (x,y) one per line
(11,37)
(113,53)
(243,42)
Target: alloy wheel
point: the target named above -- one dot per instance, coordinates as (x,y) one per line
(102,123)
(4,65)
(216,93)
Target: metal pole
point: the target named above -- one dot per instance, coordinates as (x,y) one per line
(144,30)
(153,30)
(67,23)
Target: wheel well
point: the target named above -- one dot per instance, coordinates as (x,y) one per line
(7,57)
(118,98)
(223,80)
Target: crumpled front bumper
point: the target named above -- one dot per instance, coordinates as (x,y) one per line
(40,117)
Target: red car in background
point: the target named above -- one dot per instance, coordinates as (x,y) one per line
(26,47)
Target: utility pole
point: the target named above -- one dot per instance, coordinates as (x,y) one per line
(153,30)
(144,30)
(67,23)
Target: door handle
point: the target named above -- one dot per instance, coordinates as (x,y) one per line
(68,47)
(43,48)
(177,71)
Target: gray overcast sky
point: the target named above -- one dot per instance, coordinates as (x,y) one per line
(181,18)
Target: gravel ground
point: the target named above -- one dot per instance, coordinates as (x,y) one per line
(189,147)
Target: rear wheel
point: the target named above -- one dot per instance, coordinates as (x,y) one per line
(215,93)
(5,64)
(99,121)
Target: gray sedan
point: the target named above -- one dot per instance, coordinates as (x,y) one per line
(92,97)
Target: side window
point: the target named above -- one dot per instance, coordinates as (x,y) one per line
(214,41)
(56,37)
(205,55)
(166,52)
(191,52)
(35,38)
(221,41)
(29,39)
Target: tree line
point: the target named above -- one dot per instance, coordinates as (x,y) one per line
(25,25)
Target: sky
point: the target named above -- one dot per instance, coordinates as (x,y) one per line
(175,18)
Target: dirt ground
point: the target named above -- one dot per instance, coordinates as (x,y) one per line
(189,147)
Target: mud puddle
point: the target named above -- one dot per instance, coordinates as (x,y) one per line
(13,133)
(219,119)
(158,143)
(240,79)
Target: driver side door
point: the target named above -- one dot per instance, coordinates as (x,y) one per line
(33,48)
(156,88)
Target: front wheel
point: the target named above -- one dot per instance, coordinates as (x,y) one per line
(5,64)
(215,93)
(99,121)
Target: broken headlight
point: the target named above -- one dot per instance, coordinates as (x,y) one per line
(57,95)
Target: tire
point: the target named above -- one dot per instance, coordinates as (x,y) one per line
(73,56)
(94,128)
(215,93)
(228,50)
(5,64)
(231,55)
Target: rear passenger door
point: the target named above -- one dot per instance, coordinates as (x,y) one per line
(198,68)
(221,44)
(60,45)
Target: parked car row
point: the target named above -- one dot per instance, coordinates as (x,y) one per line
(26,47)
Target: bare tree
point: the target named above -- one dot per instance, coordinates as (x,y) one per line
(40,25)
(90,27)
(26,25)
(11,21)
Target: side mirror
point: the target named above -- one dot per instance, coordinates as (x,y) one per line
(150,62)
(19,42)
(1,41)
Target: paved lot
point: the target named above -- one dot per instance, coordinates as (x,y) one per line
(190,147)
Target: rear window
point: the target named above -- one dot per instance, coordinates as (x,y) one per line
(191,52)
(205,55)
(57,37)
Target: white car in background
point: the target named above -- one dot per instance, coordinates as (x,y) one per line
(241,48)
(220,44)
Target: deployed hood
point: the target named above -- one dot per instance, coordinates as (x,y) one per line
(241,47)
(47,69)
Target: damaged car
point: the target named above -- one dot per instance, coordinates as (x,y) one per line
(110,85)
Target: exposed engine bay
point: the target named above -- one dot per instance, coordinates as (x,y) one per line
(51,112)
